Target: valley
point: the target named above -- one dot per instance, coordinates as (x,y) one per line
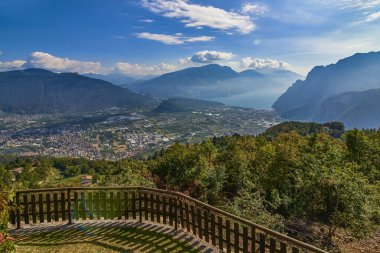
(121,133)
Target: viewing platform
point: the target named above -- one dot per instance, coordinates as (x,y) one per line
(139,219)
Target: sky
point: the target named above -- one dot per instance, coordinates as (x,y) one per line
(152,37)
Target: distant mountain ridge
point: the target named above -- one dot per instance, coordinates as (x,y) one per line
(217,82)
(43,91)
(355,109)
(302,101)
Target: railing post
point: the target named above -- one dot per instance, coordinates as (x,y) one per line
(69,205)
(18,216)
(176,213)
(140,207)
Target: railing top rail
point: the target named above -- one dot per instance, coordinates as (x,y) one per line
(204,205)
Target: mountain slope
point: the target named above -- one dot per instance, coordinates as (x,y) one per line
(117,79)
(42,91)
(218,83)
(356,73)
(355,109)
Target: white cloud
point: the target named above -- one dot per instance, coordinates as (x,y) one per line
(176,39)
(11,65)
(250,62)
(360,4)
(142,69)
(255,9)
(209,56)
(373,16)
(54,63)
(147,20)
(194,15)
(200,38)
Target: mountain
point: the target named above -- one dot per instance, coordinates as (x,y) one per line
(303,99)
(355,109)
(118,79)
(249,88)
(185,105)
(42,91)
(280,75)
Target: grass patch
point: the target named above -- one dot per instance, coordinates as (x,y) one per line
(94,239)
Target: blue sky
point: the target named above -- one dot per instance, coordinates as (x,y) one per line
(150,37)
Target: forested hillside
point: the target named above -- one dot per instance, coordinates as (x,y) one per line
(313,186)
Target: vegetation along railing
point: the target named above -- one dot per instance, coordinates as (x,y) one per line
(227,232)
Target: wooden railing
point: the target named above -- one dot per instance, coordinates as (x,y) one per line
(227,232)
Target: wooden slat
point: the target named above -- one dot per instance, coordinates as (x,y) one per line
(111,205)
(103,202)
(18,215)
(55,200)
(63,206)
(118,205)
(33,205)
(253,239)
(146,213)
(187,214)
(170,212)
(206,223)
(83,205)
(134,205)
(283,247)
(140,207)
(151,207)
(236,237)
(26,209)
(69,208)
(97,211)
(126,205)
(245,239)
(48,207)
(163,209)
(158,215)
(220,233)
(295,250)
(181,217)
(272,245)
(228,236)
(262,243)
(76,206)
(199,223)
(192,213)
(41,207)
(175,213)
(90,205)
(213,232)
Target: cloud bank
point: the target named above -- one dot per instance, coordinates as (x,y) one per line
(194,15)
(11,65)
(256,63)
(54,63)
(176,39)
(142,69)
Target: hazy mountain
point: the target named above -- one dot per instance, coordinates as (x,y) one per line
(282,76)
(355,109)
(303,99)
(249,88)
(185,105)
(42,91)
(115,78)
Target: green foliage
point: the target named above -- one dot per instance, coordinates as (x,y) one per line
(6,241)
(313,177)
